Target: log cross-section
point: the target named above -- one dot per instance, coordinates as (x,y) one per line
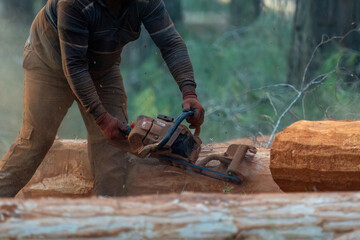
(185,216)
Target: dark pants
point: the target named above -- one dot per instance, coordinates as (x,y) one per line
(47,98)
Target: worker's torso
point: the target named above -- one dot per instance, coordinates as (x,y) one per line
(108,34)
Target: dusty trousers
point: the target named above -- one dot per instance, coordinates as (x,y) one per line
(47,98)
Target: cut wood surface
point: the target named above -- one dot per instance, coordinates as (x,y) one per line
(317,156)
(185,216)
(151,177)
(65,172)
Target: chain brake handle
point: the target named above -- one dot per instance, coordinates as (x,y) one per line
(194,111)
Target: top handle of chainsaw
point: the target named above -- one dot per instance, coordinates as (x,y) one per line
(177,122)
(127,130)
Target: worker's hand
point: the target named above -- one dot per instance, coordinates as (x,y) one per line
(191,102)
(111,127)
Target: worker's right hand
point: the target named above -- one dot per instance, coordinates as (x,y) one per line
(111,127)
(190,101)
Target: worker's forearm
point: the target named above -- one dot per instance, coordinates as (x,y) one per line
(173,49)
(86,92)
(176,56)
(73,35)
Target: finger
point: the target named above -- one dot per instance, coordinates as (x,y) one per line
(194,118)
(202,116)
(197,131)
(122,129)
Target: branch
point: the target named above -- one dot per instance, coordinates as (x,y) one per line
(317,80)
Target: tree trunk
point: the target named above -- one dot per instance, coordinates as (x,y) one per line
(185,216)
(313,20)
(244,12)
(175,10)
(65,172)
(19,11)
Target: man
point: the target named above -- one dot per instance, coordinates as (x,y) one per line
(73,53)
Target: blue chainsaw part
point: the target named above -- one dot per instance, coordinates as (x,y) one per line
(173,128)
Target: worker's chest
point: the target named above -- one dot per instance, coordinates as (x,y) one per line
(108,34)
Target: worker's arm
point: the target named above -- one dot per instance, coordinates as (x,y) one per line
(74,36)
(173,49)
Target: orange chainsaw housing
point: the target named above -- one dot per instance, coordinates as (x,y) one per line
(148,131)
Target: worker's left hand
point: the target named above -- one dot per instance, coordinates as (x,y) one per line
(111,127)
(191,102)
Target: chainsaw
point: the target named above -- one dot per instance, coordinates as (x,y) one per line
(172,143)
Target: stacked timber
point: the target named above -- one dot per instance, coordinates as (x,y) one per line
(185,216)
(65,172)
(317,156)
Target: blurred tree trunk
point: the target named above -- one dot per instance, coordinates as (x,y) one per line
(18,11)
(175,10)
(244,12)
(313,20)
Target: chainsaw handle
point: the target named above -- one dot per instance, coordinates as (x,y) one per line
(178,121)
(127,130)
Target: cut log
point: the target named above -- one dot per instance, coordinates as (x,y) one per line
(317,156)
(65,172)
(185,216)
(151,177)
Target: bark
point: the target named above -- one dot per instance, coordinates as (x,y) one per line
(313,20)
(185,216)
(317,156)
(65,172)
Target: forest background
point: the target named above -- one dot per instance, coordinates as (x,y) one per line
(260,65)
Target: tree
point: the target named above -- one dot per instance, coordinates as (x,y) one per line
(18,11)
(315,19)
(244,12)
(174,8)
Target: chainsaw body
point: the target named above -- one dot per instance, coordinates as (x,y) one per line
(171,142)
(147,135)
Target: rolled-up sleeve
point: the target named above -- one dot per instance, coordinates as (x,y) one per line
(173,49)
(74,36)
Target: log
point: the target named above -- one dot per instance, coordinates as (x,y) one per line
(151,177)
(65,172)
(317,156)
(185,216)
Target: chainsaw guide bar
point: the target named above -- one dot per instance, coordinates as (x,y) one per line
(201,170)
